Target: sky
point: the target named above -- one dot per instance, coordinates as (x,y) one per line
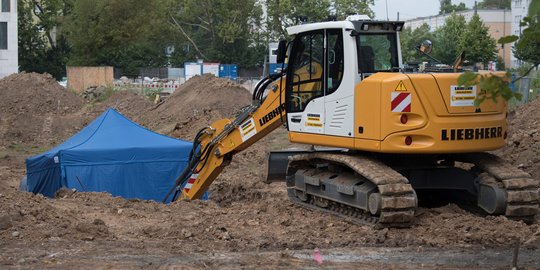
(409,9)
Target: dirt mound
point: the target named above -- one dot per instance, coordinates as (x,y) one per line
(524,138)
(196,104)
(127,103)
(36,109)
(36,93)
(28,218)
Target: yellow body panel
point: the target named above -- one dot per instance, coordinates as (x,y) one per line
(368,117)
(434,125)
(445,81)
(322,140)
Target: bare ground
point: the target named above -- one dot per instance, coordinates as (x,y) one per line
(246,224)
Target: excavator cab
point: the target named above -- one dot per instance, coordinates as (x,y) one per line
(326,61)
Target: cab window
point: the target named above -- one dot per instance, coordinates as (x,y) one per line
(316,69)
(334,60)
(376,52)
(307,70)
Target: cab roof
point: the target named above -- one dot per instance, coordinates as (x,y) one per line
(354,22)
(293,30)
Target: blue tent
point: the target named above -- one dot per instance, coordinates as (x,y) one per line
(111,154)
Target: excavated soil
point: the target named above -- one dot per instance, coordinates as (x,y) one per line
(36,110)
(196,104)
(523,144)
(128,103)
(246,223)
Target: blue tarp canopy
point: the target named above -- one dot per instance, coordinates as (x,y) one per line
(112,154)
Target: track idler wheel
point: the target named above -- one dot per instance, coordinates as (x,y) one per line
(492,199)
(375,204)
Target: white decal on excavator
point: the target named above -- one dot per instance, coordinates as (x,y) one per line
(247,129)
(462,96)
(314,123)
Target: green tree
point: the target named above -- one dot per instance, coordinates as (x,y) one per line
(447,7)
(526,49)
(495,4)
(42,43)
(128,34)
(50,15)
(410,39)
(343,8)
(446,42)
(285,13)
(32,45)
(218,31)
(478,45)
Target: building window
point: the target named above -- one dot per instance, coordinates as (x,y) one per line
(6,5)
(3,35)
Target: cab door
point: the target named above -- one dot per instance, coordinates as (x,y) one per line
(306,83)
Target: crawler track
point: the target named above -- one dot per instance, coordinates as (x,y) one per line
(522,191)
(398,199)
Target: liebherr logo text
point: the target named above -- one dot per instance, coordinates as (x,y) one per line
(271,115)
(460,134)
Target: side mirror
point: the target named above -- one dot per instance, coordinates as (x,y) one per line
(426,46)
(281,51)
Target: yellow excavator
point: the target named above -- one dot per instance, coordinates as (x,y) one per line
(382,135)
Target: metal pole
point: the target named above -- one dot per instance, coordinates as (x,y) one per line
(387,11)
(515,257)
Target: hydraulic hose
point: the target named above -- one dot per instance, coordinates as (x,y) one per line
(257,87)
(194,159)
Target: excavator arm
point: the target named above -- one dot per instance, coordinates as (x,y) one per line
(215,145)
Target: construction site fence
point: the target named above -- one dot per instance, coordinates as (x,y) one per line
(528,87)
(170,73)
(169,86)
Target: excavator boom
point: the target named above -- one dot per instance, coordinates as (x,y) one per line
(215,145)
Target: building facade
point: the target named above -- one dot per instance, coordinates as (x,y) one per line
(9,61)
(499,22)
